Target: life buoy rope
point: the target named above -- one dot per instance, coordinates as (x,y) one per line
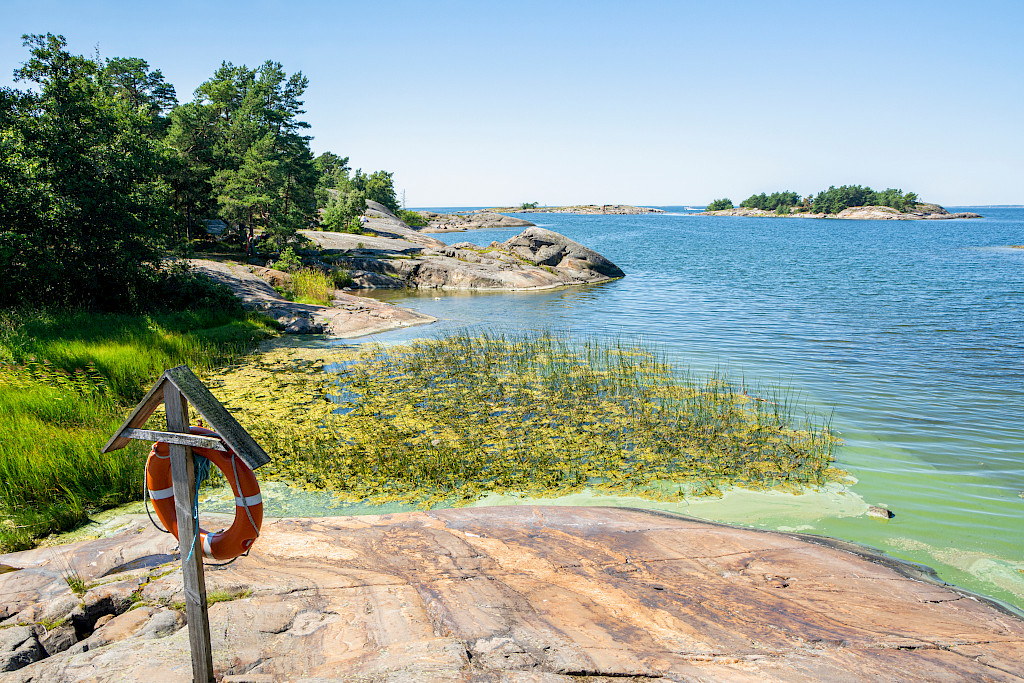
(227,543)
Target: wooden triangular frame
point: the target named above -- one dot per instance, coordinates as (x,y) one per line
(211,410)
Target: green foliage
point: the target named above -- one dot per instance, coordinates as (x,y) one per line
(832,200)
(342,198)
(82,212)
(342,278)
(528,205)
(772,202)
(412,218)
(66,380)
(341,209)
(332,174)
(130,79)
(313,286)
(242,137)
(179,288)
(378,187)
(220,595)
(835,199)
(288,260)
(896,199)
(720,205)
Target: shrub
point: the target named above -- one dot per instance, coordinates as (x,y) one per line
(720,205)
(412,218)
(342,278)
(183,288)
(288,260)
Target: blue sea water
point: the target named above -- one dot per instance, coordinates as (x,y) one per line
(909,333)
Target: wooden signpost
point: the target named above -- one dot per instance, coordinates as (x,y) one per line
(176,389)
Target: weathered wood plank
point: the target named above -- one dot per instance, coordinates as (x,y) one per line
(183,476)
(217,416)
(194,440)
(138,417)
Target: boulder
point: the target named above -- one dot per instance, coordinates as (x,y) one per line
(58,639)
(549,248)
(303,325)
(364,279)
(19,647)
(276,278)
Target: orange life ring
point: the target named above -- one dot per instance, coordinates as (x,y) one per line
(243,532)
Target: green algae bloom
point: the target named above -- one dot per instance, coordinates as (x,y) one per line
(445,421)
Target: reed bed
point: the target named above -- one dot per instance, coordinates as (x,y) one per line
(313,286)
(66,381)
(447,420)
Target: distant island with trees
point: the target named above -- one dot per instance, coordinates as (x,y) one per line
(845,201)
(588,209)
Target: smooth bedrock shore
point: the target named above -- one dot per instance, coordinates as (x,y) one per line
(514,594)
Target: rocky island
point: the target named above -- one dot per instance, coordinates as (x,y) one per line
(922,211)
(585,209)
(474,220)
(854,202)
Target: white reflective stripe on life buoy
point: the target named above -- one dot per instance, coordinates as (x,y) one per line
(161,494)
(250,500)
(207,550)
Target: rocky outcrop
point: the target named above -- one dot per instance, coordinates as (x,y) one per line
(867,213)
(348,316)
(513,594)
(475,220)
(921,212)
(752,213)
(392,258)
(548,248)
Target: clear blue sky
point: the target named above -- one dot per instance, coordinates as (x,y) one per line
(484,103)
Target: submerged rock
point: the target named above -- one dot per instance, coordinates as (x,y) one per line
(879,512)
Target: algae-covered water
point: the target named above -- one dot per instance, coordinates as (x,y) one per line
(911,332)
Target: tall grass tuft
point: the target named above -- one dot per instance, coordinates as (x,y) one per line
(313,286)
(66,380)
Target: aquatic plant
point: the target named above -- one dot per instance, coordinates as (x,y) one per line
(445,420)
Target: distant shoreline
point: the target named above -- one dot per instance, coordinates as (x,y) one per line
(584,209)
(922,212)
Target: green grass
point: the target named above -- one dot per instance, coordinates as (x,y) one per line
(447,420)
(313,286)
(66,382)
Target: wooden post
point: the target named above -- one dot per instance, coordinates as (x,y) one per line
(183,475)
